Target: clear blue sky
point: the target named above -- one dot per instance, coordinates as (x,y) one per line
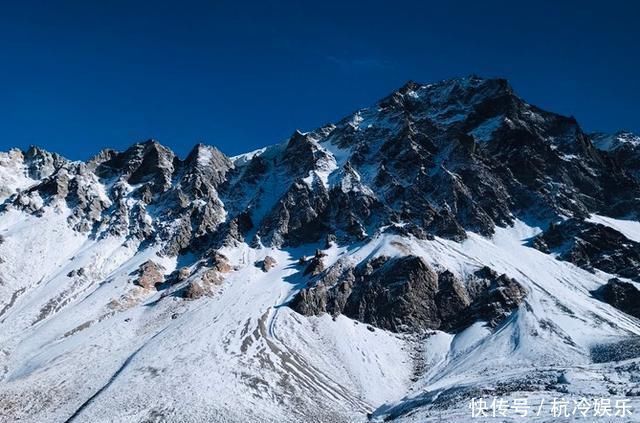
(77,76)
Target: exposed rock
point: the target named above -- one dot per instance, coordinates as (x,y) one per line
(179,238)
(220,263)
(103,156)
(494,296)
(622,295)
(315,266)
(266,264)
(212,277)
(183,274)
(623,147)
(441,159)
(144,162)
(330,241)
(149,275)
(208,167)
(193,291)
(406,294)
(203,286)
(76,272)
(592,245)
(41,164)
(297,217)
(176,277)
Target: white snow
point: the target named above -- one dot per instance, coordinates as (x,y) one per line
(610,142)
(484,131)
(204,155)
(13,173)
(628,228)
(98,345)
(242,159)
(234,351)
(243,352)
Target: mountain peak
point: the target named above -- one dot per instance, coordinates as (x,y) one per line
(466,83)
(40,163)
(456,93)
(479,227)
(610,142)
(202,155)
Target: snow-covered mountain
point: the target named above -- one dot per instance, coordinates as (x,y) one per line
(449,242)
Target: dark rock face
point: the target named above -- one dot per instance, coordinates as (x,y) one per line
(623,148)
(183,194)
(592,246)
(622,295)
(296,217)
(76,272)
(406,294)
(459,155)
(148,162)
(316,265)
(441,159)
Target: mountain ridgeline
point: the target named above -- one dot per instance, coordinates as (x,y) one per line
(448,241)
(440,159)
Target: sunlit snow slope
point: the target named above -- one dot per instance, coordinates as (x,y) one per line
(450,242)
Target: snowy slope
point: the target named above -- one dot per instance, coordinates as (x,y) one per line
(139,286)
(243,355)
(12,173)
(241,352)
(551,336)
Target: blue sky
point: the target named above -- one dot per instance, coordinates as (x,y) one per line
(78,76)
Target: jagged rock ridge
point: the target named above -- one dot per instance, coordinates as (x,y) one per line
(463,154)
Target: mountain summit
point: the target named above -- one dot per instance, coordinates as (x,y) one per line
(448,241)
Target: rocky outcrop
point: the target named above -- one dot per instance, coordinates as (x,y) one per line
(622,295)
(193,291)
(183,274)
(41,164)
(406,294)
(592,246)
(316,265)
(211,277)
(220,263)
(297,218)
(144,163)
(76,272)
(203,285)
(267,263)
(149,275)
(623,147)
